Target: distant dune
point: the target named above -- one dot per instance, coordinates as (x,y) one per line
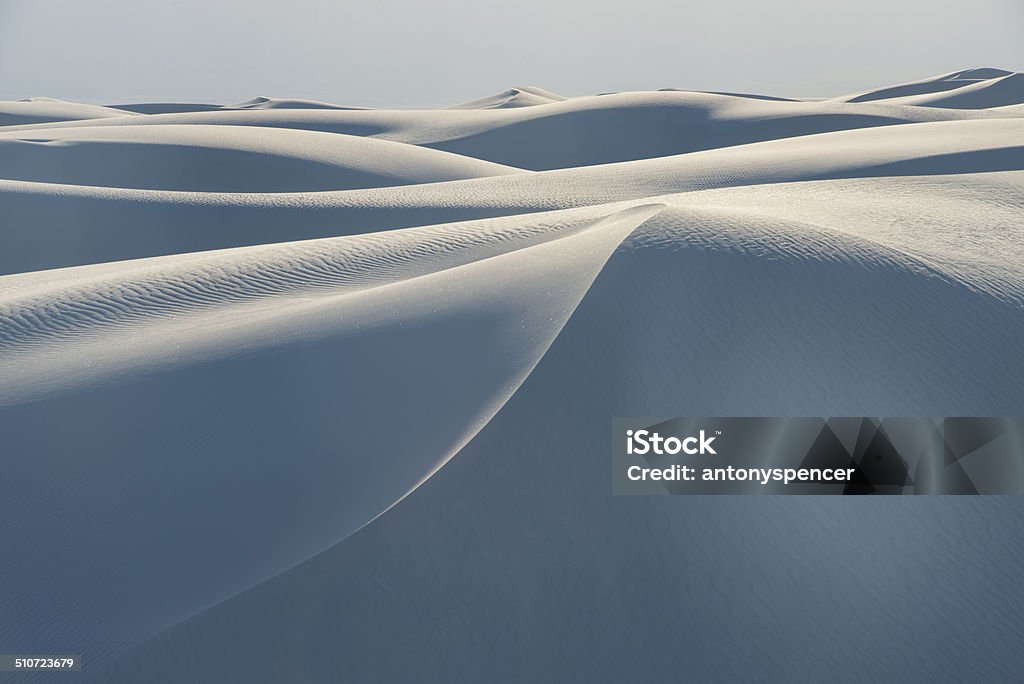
(970,89)
(523,96)
(279,103)
(165,107)
(36,110)
(292,391)
(225,159)
(66,225)
(579,131)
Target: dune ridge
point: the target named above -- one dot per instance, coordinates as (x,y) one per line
(45,217)
(577,131)
(225,159)
(41,110)
(982,88)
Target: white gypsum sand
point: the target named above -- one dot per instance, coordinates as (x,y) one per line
(283,377)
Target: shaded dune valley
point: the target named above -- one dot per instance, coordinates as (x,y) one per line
(293,391)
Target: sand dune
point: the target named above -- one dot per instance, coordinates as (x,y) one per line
(56,226)
(378,309)
(285,379)
(928,86)
(580,131)
(491,542)
(225,159)
(37,110)
(397,300)
(285,103)
(166,107)
(522,96)
(970,89)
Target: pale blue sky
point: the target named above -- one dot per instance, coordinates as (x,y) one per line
(414,52)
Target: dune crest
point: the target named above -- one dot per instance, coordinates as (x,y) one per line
(982,88)
(225,159)
(520,96)
(41,110)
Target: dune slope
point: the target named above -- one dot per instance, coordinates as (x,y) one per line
(578,131)
(971,89)
(491,568)
(39,110)
(240,321)
(54,226)
(225,159)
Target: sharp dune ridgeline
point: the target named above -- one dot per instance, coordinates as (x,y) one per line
(284,357)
